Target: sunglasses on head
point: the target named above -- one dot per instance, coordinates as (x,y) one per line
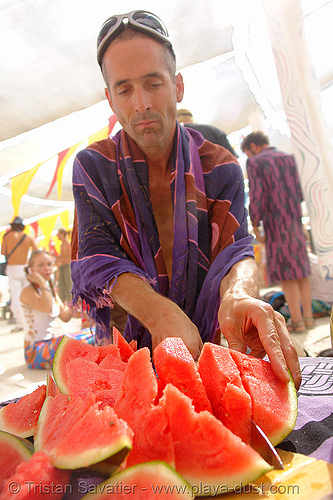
(140,20)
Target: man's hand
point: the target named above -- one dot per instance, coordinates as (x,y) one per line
(249,322)
(173,322)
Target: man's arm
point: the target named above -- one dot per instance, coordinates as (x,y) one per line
(246,321)
(162,317)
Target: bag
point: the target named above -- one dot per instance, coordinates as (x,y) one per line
(3,266)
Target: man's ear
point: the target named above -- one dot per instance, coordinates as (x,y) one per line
(179,87)
(108,96)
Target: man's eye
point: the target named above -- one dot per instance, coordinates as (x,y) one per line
(123,91)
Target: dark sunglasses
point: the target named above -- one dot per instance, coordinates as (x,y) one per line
(140,20)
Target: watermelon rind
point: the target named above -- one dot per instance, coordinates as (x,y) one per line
(89,457)
(19,443)
(148,480)
(291,422)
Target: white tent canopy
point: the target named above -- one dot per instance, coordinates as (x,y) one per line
(52,93)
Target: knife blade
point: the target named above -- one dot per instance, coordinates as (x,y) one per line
(264,447)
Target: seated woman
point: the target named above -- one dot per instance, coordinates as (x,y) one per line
(41,305)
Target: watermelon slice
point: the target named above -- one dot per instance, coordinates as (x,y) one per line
(14,450)
(154,480)
(174,364)
(69,349)
(136,404)
(230,402)
(21,418)
(274,404)
(76,433)
(206,452)
(126,350)
(36,478)
(51,386)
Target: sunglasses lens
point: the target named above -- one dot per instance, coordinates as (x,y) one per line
(109,24)
(149,20)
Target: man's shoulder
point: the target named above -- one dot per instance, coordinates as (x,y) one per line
(213,155)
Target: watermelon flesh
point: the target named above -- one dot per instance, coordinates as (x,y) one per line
(126,350)
(76,433)
(274,404)
(174,364)
(21,418)
(37,478)
(85,376)
(14,450)
(154,480)
(136,404)
(51,386)
(221,378)
(207,452)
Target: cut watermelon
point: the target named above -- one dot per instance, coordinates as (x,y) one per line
(106,350)
(174,364)
(274,404)
(148,481)
(14,450)
(69,349)
(37,478)
(76,433)
(51,386)
(21,418)
(135,404)
(85,376)
(230,402)
(111,361)
(206,452)
(126,350)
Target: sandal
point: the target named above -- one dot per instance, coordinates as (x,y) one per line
(296,327)
(309,323)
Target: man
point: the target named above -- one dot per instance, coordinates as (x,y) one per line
(16,261)
(160,213)
(275,197)
(211,133)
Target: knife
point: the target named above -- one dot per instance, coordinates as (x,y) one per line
(264,447)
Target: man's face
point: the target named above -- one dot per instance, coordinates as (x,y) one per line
(142,92)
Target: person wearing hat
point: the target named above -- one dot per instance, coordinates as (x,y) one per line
(15,247)
(160,217)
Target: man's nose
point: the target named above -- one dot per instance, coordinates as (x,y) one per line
(141,100)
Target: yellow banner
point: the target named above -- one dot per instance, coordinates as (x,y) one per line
(19,186)
(102,134)
(46,225)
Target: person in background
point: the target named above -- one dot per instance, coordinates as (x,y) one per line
(161,222)
(16,262)
(41,305)
(275,197)
(64,267)
(211,133)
